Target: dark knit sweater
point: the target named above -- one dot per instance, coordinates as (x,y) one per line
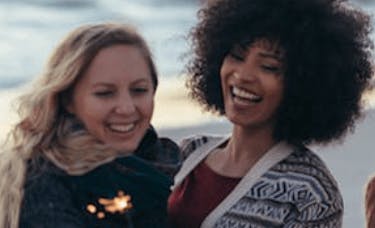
(54,199)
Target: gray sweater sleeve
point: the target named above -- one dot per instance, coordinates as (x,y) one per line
(48,203)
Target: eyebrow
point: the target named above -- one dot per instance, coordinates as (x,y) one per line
(109,84)
(102,83)
(270,55)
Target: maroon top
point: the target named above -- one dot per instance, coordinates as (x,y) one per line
(200,192)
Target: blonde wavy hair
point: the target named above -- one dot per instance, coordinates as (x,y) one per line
(45,128)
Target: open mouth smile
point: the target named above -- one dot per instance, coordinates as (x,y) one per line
(121,128)
(244,95)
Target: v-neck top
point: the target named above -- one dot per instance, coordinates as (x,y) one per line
(188,206)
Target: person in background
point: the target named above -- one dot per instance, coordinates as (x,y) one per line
(84,153)
(370,203)
(286,74)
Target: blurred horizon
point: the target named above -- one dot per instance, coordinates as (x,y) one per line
(30,29)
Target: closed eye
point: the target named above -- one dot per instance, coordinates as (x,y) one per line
(273,69)
(140,90)
(105,93)
(238,53)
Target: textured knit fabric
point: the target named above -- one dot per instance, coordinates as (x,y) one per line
(54,199)
(370,203)
(195,198)
(298,191)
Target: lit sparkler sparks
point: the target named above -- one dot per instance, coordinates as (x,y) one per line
(91,208)
(120,203)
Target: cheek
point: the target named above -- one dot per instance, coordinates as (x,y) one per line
(92,120)
(90,111)
(280,90)
(223,72)
(223,84)
(148,108)
(277,97)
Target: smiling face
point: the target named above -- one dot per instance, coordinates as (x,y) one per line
(114,97)
(252,83)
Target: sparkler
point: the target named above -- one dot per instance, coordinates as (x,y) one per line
(119,204)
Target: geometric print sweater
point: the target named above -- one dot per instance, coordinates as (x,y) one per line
(288,187)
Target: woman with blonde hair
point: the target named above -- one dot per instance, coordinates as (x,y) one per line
(84,140)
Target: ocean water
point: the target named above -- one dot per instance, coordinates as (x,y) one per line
(30,29)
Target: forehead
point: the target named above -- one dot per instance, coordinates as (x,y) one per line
(118,63)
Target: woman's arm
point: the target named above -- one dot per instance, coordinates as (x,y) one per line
(48,202)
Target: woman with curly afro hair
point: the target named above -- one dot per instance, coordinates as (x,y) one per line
(286,74)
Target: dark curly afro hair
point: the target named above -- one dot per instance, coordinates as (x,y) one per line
(328,60)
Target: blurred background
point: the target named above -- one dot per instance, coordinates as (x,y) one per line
(30,29)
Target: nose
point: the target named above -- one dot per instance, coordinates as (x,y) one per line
(245,71)
(125,105)
(244,74)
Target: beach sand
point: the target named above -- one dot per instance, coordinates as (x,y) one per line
(175,116)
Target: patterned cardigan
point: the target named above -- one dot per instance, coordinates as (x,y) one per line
(288,187)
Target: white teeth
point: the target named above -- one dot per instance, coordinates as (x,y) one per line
(122,127)
(245,95)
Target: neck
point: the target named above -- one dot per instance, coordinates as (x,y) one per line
(244,148)
(249,144)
